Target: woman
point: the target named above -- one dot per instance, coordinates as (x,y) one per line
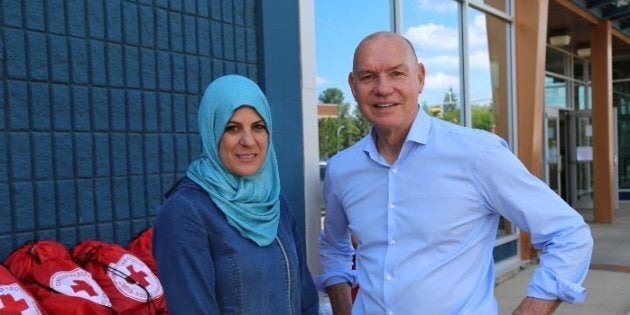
(225,240)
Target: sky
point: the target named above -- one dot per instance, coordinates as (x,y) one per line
(431,25)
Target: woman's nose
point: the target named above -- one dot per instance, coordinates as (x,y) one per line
(247,138)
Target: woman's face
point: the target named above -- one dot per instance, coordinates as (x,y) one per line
(243,146)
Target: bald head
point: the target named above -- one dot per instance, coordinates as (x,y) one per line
(385,37)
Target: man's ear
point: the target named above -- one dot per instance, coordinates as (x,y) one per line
(351,84)
(421,75)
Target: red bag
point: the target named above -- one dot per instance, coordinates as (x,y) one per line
(141,246)
(132,287)
(14,299)
(46,270)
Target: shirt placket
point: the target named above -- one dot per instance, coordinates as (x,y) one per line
(389,272)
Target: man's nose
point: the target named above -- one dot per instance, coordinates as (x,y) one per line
(383,86)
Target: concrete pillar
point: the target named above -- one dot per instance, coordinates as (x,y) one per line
(602,122)
(531,37)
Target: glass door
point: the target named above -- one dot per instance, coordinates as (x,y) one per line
(552,158)
(581,161)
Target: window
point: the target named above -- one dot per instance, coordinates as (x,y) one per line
(454,40)
(434,31)
(488,63)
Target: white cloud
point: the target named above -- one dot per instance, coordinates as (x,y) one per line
(321,81)
(479,60)
(444,62)
(433,37)
(440,81)
(477,35)
(436,5)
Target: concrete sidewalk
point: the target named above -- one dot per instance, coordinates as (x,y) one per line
(608,281)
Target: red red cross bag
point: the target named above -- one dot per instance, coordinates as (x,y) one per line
(14,299)
(132,287)
(46,270)
(141,246)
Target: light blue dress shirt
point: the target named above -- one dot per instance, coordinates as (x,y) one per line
(426,225)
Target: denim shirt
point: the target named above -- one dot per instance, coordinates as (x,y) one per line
(207,267)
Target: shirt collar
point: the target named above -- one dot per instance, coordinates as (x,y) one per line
(420,128)
(419,133)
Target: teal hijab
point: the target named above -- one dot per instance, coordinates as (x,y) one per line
(250,204)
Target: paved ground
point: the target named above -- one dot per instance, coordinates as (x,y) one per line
(608,281)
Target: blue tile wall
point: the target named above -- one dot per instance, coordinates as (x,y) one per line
(40,102)
(281,80)
(85,201)
(45,202)
(43,168)
(22,206)
(66,202)
(59,55)
(132,67)
(37,56)
(96,19)
(147,30)
(79,61)
(4,177)
(12,10)
(130,20)
(6,221)
(17,105)
(113,21)
(76,26)
(35,15)
(99,107)
(15,50)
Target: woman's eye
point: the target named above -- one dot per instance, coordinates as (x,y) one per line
(231,128)
(260,126)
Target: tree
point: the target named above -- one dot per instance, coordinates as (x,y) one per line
(482,117)
(327,137)
(330,137)
(452,115)
(342,131)
(450,100)
(450,108)
(331,96)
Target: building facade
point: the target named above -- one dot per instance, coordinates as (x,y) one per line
(550,77)
(99,98)
(99,102)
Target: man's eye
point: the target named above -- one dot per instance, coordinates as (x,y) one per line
(367,77)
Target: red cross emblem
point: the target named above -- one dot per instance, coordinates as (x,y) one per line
(80,285)
(8,305)
(137,276)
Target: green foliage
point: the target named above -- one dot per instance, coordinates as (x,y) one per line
(327,137)
(450,101)
(336,134)
(331,96)
(482,117)
(452,115)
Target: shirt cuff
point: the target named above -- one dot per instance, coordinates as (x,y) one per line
(334,277)
(547,286)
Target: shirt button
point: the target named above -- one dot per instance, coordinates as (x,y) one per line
(390,313)
(388,277)
(392,242)
(395,171)
(391,206)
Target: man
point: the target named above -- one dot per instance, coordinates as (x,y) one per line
(423,198)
